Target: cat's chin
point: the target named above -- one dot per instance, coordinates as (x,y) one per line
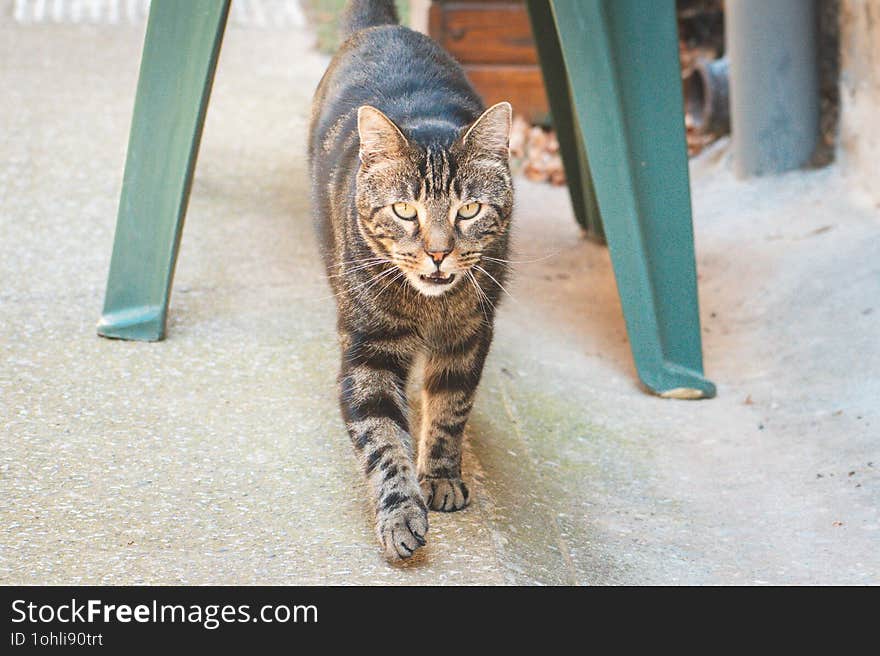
(430,286)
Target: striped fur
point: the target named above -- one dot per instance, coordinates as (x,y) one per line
(395,121)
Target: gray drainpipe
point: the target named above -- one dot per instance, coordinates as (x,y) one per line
(774,83)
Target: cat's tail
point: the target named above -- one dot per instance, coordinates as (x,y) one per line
(360,14)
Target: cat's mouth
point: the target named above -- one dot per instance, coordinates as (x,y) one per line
(438,278)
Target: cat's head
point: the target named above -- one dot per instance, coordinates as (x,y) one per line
(435,210)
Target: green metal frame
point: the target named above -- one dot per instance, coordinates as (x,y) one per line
(574,155)
(622,79)
(181,48)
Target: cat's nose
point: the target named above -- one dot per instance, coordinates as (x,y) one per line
(438,256)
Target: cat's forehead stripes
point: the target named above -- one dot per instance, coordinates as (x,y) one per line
(437,171)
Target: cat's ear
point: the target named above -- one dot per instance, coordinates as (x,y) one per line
(491,132)
(381,140)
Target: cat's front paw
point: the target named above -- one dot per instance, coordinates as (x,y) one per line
(401,523)
(446,494)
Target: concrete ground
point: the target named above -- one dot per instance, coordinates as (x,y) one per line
(218,456)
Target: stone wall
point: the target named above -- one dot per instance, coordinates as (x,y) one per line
(859,145)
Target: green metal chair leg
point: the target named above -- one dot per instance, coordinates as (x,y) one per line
(177,69)
(622,62)
(574,157)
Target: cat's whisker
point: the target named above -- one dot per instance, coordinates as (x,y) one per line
(360,259)
(364,260)
(374,258)
(539,259)
(391,282)
(376,279)
(347,290)
(496,260)
(342,265)
(502,287)
(361,285)
(483,293)
(482,297)
(486,321)
(357,268)
(370,279)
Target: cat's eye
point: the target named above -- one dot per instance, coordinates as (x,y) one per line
(405,211)
(469,211)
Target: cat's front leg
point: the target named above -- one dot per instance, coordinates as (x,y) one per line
(452,374)
(373,400)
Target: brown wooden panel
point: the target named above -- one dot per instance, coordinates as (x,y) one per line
(522,86)
(490,33)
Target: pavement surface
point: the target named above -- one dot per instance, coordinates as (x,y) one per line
(218,456)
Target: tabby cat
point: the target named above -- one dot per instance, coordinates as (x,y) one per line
(412,197)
